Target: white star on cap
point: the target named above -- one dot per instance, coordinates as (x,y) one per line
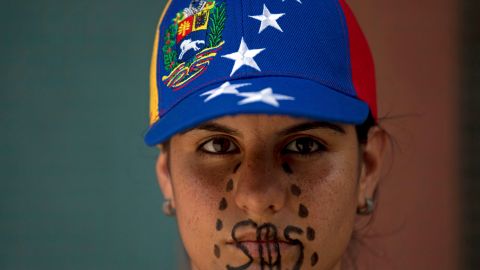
(268,19)
(225,88)
(299,1)
(244,57)
(266,96)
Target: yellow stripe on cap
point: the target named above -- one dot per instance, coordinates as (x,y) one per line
(154,113)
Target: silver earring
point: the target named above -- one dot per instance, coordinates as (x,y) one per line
(368,208)
(167,208)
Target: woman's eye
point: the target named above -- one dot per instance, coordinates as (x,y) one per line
(304,146)
(219,146)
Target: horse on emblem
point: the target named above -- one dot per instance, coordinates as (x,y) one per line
(187,45)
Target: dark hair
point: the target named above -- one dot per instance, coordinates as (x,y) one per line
(362,129)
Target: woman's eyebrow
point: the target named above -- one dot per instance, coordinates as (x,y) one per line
(214,127)
(312,125)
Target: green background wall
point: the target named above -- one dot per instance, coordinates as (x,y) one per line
(77,184)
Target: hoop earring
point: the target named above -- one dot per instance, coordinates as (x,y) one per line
(368,208)
(167,208)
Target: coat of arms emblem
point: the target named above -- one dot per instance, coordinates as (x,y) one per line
(192,41)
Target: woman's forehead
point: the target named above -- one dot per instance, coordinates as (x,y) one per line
(267,124)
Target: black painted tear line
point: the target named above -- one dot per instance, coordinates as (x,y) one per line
(216,251)
(295,190)
(223,204)
(219,225)
(237,167)
(314,259)
(286,168)
(229,185)
(302,211)
(310,234)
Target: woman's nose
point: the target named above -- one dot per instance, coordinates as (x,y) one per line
(261,191)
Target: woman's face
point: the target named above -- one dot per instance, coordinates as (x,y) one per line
(266,192)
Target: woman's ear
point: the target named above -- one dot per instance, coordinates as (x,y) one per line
(163,176)
(372,157)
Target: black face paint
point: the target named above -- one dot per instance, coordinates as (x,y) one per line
(237,167)
(219,225)
(238,244)
(287,234)
(287,168)
(295,190)
(270,256)
(310,234)
(216,251)
(302,211)
(268,233)
(229,185)
(314,259)
(223,204)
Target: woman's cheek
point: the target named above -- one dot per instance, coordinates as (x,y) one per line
(199,185)
(196,215)
(329,188)
(322,188)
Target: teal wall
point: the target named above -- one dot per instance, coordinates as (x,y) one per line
(77,184)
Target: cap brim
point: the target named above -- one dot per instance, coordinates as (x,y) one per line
(310,100)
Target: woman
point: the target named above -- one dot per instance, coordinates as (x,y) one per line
(266,116)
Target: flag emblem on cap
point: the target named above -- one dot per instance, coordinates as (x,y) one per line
(192,41)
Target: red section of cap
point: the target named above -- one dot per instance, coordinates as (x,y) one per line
(361,60)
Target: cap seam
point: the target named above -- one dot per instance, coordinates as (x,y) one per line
(345,40)
(241,18)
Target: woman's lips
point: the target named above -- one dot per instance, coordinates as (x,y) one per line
(269,250)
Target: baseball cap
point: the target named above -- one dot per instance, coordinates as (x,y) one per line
(212,58)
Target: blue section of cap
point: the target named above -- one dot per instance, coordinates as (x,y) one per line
(313,45)
(310,54)
(297,98)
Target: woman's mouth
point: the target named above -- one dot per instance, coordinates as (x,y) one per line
(268,251)
(265,245)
